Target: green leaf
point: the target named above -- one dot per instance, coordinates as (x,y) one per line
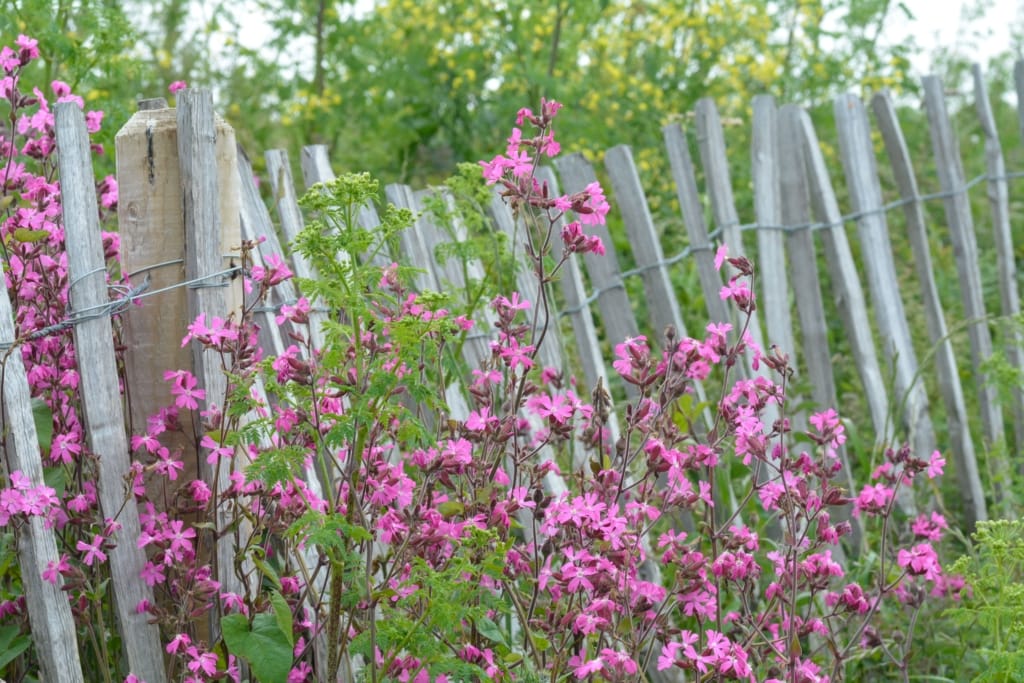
(284,615)
(263,645)
(267,570)
(12,644)
(43,417)
(540,643)
(450,508)
(490,630)
(26,235)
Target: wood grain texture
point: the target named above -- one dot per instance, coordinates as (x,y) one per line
(617,315)
(101,396)
(203,249)
(711,143)
(795,210)
(772,274)
(849,295)
(53,628)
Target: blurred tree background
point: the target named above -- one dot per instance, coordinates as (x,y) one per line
(407,88)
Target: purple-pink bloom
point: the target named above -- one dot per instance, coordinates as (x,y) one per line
(93,552)
(920,560)
(935,465)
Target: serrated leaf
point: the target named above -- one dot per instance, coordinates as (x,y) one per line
(263,645)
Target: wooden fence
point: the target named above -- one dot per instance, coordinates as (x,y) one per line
(187,158)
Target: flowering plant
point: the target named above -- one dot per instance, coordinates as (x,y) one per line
(385,531)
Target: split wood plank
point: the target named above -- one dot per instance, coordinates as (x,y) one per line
(53,628)
(203,260)
(663,308)
(256,224)
(415,247)
(292,223)
(773,275)
(846,285)
(101,395)
(617,315)
(861,170)
(950,170)
(795,210)
(711,143)
(999,200)
(693,217)
(574,292)
(959,434)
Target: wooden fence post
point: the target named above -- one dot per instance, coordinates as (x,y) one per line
(643,238)
(999,200)
(845,280)
(711,142)
(692,208)
(773,274)
(605,275)
(152,249)
(573,291)
(961,444)
(861,169)
(204,195)
(961,228)
(101,397)
(795,210)
(49,612)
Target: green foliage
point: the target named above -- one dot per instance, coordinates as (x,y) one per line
(89,45)
(12,644)
(264,643)
(993,610)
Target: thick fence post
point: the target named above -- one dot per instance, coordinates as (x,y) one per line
(101,397)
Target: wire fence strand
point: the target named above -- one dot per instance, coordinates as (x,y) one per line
(854,216)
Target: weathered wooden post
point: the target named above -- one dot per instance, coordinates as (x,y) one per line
(97,365)
(163,195)
(53,628)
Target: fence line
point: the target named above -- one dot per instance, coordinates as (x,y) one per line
(800,188)
(811,226)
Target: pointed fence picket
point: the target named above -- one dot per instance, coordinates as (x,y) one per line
(865,192)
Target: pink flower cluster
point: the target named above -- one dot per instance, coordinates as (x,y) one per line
(345,501)
(515,169)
